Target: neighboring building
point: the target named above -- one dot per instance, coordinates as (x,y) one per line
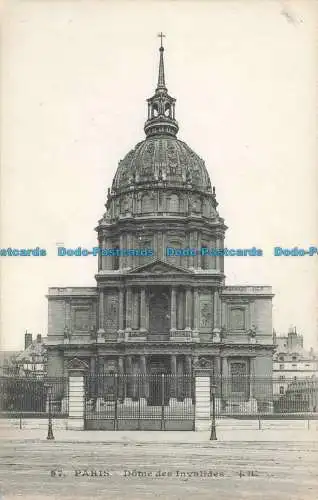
(153,313)
(291,362)
(32,361)
(7,365)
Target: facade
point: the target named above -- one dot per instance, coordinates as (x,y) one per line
(292,363)
(156,313)
(31,362)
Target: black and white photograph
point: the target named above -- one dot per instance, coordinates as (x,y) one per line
(159,250)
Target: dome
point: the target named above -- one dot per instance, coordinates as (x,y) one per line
(161,159)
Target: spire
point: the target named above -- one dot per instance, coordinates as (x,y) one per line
(161,75)
(161,107)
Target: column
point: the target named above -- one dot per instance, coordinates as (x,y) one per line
(121,309)
(143,309)
(129,377)
(101,312)
(202,398)
(252,377)
(196,309)
(199,250)
(104,257)
(122,260)
(143,371)
(173,362)
(188,375)
(76,394)
(191,245)
(216,311)
(129,258)
(173,324)
(225,379)
(108,262)
(99,257)
(135,309)
(218,258)
(188,309)
(121,379)
(180,310)
(128,308)
(217,376)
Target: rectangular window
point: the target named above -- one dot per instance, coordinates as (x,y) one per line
(281,389)
(281,367)
(239,378)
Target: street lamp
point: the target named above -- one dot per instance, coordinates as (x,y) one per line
(213,429)
(50,435)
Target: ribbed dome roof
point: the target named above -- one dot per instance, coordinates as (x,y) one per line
(162,158)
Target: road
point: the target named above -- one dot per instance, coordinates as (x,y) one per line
(52,470)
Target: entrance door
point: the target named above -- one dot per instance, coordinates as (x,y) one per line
(159,311)
(159,381)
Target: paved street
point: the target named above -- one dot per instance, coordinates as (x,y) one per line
(220,470)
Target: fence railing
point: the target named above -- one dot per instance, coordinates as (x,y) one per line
(29,395)
(235,396)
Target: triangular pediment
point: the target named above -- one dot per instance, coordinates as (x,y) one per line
(77,364)
(159,267)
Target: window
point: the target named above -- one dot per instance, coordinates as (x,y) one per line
(237,319)
(281,367)
(294,358)
(295,378)
(282,377)
(281,358)
(294,366)
(281,390)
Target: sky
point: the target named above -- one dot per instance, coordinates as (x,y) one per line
(74,80)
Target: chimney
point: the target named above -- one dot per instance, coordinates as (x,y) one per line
(27,339)
(39,338)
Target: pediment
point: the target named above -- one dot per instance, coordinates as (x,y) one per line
(159,267)
(77,364)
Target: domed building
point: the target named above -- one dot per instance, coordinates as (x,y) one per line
(160,304)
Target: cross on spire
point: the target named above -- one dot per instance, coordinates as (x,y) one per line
(161,36)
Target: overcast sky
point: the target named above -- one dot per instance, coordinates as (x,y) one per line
(75,76)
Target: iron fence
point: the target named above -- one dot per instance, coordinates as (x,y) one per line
(142,401)
(28,396)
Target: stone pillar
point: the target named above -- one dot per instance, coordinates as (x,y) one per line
(128,308)
(101,313)
(122,260)
(188,375)
(173,313)
(217,312)
(99,257)
(121,379)
(202,399)
(180,310)
(108,263)
(173,361)
(143,371)
(121,309)
(196,309)
(199,250)
(218,258)
(76,394)
(188,309)
(129,377)
(129,258)
(143,309)
(191,245)
(252,377)
(104,257)
(225,378)
(135,309)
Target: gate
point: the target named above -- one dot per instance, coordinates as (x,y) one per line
(139,402)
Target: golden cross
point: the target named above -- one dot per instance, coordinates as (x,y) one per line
(161,36)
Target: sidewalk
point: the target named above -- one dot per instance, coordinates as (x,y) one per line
(161,437)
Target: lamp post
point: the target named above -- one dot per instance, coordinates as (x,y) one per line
(50,435)
(213,429)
